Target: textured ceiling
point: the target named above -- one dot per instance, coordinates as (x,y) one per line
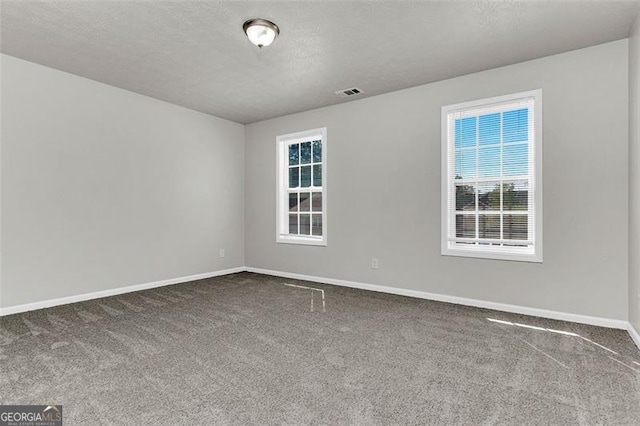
(194,53)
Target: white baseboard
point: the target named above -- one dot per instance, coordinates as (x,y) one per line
(112,292)
(562,316)
(635,336)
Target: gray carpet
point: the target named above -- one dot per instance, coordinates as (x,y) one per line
(246,349)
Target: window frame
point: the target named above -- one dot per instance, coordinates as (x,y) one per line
(477,108)
(282,187)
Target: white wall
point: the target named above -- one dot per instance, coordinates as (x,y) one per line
(634,176)
(104,188)
(384,189)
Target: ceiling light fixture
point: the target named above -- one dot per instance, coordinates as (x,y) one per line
(260,31)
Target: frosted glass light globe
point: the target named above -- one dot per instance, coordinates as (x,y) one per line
(260,31)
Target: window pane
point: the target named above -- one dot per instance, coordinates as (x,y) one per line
(489,126)
(317,202)
(317,151)
(489,196)
(294,177)
(489,162)
(305,224)
(293,154)
(465,197)
(465,164)
(489,226)
(316,226)
(317,175)
(515,196)
(293,224)
(515,227)
(516,125)
(465,129)
(516,160)
(305,176)
(466,226)
(305,152)
(301,194)
(293,202)
(305,202)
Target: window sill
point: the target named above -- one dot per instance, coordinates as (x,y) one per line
(308,241)
(494,254)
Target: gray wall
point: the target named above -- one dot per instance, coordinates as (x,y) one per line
(103,188)
(634,176)
(384,189)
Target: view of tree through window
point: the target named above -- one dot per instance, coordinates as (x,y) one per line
(305,184)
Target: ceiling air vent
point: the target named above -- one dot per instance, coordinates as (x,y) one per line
(348,92)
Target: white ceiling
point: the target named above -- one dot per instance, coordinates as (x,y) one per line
(194,53)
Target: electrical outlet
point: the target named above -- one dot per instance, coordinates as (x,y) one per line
(221,252)
(374,263)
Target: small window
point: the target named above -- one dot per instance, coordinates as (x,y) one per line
(302,196)
(491,178)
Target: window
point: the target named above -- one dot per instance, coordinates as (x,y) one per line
(491,178)
(302,196)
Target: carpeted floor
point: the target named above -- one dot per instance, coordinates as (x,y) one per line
(246,349)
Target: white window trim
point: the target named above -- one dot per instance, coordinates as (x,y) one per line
(499,253)
(282,143)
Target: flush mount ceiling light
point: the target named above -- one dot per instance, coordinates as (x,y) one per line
(260,31)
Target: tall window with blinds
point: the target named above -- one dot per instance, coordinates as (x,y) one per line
(302,216)
(491,178)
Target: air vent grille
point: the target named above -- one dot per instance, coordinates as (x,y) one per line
(348,92)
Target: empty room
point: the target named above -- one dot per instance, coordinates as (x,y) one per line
(320,212)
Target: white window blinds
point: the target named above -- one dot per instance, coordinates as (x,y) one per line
(491,181)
